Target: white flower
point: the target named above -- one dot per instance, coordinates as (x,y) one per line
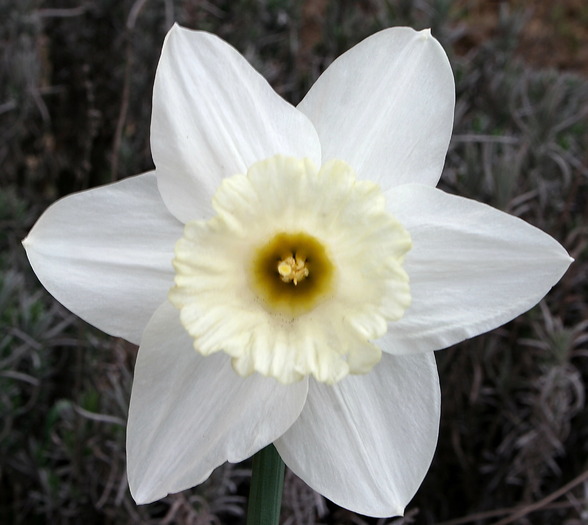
(292,264)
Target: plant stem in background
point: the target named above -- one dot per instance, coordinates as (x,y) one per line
(267,483)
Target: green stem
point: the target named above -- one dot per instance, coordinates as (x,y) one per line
(267,483)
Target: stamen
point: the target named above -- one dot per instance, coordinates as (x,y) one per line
(292,269)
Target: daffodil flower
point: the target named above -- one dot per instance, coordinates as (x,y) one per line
(289,271)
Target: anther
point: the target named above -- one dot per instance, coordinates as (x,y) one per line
(292,270)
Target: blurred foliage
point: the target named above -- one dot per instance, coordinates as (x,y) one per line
(75,101)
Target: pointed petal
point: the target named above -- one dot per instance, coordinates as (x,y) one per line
(189,413)
(366,443)
(106,254)
(214,116)
(386,107)
(472,268)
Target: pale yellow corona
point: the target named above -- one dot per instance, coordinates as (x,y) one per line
(297,274)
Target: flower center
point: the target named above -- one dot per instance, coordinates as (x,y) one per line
(291,273)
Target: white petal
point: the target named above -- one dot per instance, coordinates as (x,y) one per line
(189,413)
(366,443)
(386,107)
(472,268)
(106,254)
(214,116)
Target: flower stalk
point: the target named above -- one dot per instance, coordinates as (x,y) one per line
(267,483)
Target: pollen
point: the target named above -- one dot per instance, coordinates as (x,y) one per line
(293,269)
